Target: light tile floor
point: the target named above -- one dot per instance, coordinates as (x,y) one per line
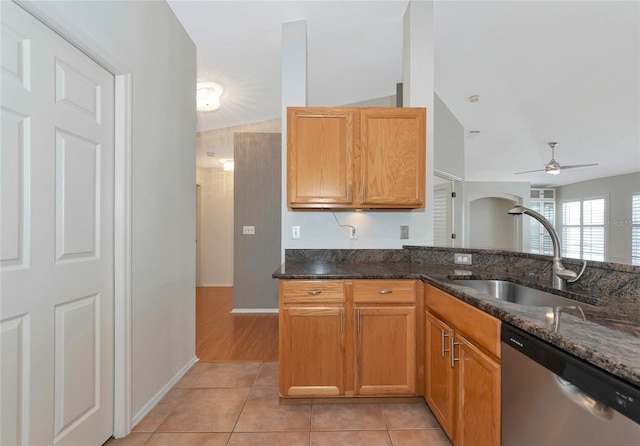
(235,404)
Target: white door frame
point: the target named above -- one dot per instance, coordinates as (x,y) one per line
(122,398)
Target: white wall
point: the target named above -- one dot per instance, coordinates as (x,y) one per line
(216,226)
(146,40)
(516,192)
(618,191)
(491,227)
(375,229)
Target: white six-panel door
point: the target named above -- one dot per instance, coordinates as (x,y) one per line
(56,251)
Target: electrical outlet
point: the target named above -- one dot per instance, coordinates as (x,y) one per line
(462,259)
(248,230)
(404,232)
(353,232)
(295,232)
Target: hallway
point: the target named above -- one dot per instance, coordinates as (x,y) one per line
(222,336)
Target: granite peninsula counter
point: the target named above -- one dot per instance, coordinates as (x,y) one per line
(609,338)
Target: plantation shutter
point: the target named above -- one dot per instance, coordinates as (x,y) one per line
(635,230)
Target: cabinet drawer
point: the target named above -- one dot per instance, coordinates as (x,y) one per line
(483,328)
(308,291)
(391,291)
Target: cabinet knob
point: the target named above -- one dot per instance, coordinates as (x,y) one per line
(314,292)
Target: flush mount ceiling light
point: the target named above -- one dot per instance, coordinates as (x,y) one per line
(208,96)
(228,166)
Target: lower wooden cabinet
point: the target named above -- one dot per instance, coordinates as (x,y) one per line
(348,338)
(439,374)
(478,396)
(462,378)
(312,335)
(386,350)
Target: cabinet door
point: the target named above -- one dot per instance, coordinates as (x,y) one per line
(439,385)
(478,389)
(393,153)
(385,350)
(312,351)
(320,152)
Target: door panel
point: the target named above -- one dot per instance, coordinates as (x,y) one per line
(57,268)
(312,353)
(439,373)
(386,356)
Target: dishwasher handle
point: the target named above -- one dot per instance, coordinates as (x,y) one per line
(584,400)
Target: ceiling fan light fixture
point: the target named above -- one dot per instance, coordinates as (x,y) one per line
(552,170)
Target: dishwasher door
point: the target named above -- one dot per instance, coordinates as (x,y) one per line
(541,409)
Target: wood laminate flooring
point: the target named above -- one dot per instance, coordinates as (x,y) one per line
(225,337)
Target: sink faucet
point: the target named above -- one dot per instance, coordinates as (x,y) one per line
(561,275)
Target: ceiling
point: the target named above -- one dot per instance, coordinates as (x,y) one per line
(565,71)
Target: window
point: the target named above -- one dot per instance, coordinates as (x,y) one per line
(583,229)
(635,230)
(543,202)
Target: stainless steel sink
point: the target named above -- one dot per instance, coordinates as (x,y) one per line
(519,294)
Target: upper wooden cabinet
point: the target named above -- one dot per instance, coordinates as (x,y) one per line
(356,158)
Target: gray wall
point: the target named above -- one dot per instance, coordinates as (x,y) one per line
(448,136)
(618,191)
(257,199)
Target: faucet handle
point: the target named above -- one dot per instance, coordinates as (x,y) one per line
(584,266)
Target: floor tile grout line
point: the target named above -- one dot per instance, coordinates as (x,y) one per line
(233,430)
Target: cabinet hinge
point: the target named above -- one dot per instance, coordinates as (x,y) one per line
(453,236)
(453,195)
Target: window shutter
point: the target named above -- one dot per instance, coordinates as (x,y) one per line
(440,218)
(635,230)
(583,229)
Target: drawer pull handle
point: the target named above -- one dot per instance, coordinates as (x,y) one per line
(314,292)
(385,291)
(453,352)
(341,320)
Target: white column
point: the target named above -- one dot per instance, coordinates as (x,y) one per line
(418,86)
(294,94)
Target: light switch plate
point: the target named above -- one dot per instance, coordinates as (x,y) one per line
(248,230)
(295,232)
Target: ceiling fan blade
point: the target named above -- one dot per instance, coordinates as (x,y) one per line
(577,166)
(529,171)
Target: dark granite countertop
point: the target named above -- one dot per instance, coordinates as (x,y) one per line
(609,338)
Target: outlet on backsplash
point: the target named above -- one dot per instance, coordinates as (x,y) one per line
(462,259)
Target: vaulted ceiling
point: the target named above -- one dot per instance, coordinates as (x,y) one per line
(565,71)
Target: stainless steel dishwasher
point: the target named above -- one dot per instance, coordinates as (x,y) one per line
(552,398)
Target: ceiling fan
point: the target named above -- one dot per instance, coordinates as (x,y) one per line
(553,167)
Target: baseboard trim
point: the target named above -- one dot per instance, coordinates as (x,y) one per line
(255,310)
(215,285)
(162,392)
